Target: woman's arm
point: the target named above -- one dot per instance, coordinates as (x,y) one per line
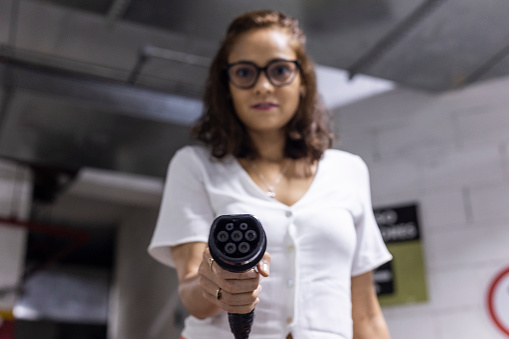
(368,319)
(199,281)
(188,258)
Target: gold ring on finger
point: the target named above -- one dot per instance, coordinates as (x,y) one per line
(211,261)
(219,295)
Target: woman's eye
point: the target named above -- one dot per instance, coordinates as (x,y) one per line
(244,72)
(282,70)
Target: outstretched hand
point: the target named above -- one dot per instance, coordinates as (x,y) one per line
(233,292)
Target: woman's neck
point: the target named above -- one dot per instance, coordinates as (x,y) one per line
(270,148)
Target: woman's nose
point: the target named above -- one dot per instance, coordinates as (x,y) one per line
(263,84)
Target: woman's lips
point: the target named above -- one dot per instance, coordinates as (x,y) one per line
(264,106)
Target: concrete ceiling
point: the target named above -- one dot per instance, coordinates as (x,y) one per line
(74,93)
(434,45)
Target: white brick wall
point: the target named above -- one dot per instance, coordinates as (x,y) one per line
(449,153)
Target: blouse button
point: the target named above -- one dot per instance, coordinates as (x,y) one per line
(288,214)
(289,283)
(290,248)
(289,320)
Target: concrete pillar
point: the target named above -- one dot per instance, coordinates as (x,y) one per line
(15,202)
(144,300)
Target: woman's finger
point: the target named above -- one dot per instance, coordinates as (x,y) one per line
(264,265)
(233,303)
(240,285)
(209,267)
(234,299)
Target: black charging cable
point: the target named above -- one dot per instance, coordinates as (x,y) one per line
(237,243)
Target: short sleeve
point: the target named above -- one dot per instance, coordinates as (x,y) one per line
(370,251)
(185,214)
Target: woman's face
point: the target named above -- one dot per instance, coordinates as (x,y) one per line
(265,107)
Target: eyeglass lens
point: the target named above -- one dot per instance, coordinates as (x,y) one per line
(278,72)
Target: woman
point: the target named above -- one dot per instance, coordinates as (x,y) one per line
(266,153)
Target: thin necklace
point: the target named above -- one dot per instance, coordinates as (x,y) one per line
(270,188)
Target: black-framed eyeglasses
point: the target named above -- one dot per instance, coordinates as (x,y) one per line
(279,72)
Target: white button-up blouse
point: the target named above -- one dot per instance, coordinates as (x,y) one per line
(316,245)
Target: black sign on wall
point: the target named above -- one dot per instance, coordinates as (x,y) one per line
(397,225)
(384,279)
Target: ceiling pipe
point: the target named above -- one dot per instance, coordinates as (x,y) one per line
(393,37)
(117,10)
(485,67)
(110,93)
(10,56)
(147,52)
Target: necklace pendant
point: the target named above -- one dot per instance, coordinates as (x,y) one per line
(271,194)
(270,188)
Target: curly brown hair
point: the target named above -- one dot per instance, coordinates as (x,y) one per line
(307,133)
